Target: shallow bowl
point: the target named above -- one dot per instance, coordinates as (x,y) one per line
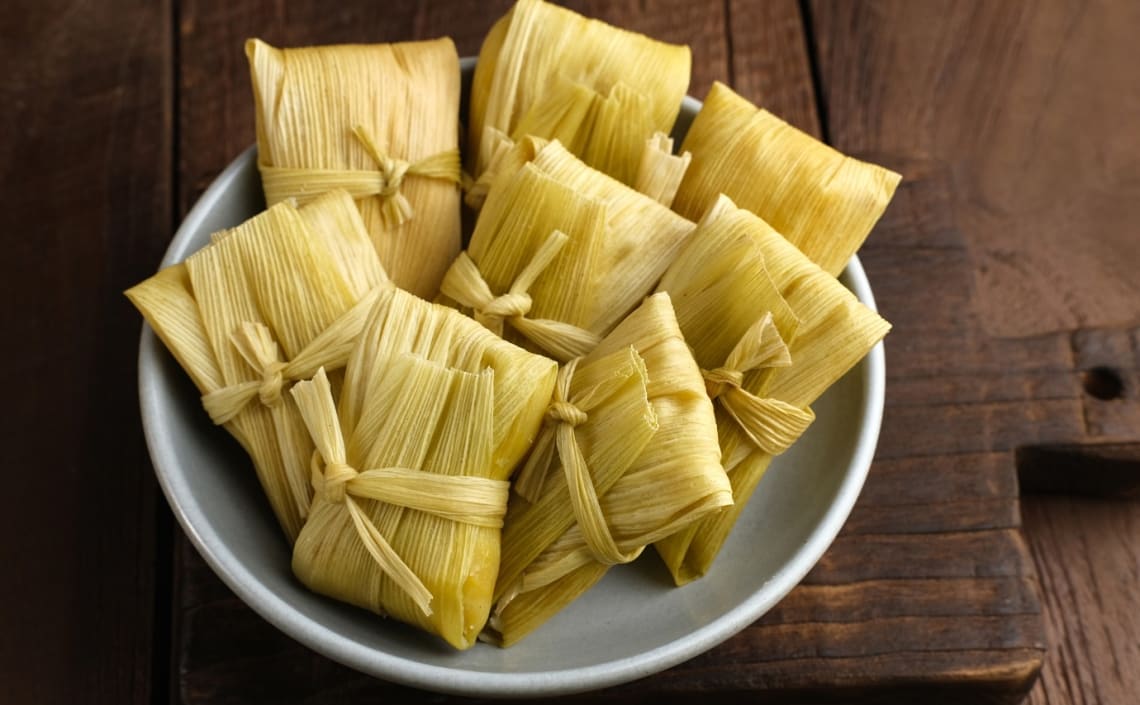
(631,624)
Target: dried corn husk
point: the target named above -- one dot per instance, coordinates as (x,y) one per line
(554,548)
(660,172)
(406,516)
(264,304)
(825,203)
(742,291)
(602,274)
(548,72)
(380,121)
(402,323)
(535,241)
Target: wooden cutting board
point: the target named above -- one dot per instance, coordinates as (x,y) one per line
(929,591)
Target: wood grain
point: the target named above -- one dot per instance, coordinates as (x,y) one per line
(1087,553)
(84,177)
(1032,107)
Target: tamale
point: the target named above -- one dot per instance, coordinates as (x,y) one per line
(822,201)
(406,516)
(402,323)
(546,71)
(618,243)
(555,546)
(772,331)
(404,344)
(264,304)
(380,121)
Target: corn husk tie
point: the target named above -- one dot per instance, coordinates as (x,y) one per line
(465,284)
(772,425)
(473,500)
(303,184)
(254,342)
(563,416)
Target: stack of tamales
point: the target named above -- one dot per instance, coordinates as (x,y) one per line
(379,121)
(434,462)
(609,95)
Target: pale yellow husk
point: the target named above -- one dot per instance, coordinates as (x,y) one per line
(824,202)
(380,121)
(553,552)
(407,515)
(265,304)
(546,71)
(737,278)
(402,323)
(602,273)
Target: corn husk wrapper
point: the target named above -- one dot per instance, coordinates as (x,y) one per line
(552,551)
(744,293)
(406,516)
(824,202)
(600,275)
(380,121)
(546,71)
(265,304)
(401,323)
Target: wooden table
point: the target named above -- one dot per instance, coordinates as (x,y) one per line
(1008,263)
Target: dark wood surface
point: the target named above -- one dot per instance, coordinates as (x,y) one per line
(1007,264)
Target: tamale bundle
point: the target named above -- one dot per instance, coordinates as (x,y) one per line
(428,393)
(379,121)
(604,92)
(267,303)
(629,455)
(772,331)
(822,201)
(401,323)
(561,252)
(406,516)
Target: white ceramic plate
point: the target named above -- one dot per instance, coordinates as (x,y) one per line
(633,623)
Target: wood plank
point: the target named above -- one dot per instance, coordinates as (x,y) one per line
(85,168)
(1023,102)
(1087,553)
(769,63)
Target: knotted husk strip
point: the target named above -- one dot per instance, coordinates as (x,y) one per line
(826,328)
(641,236)
(538,48)
(573,463)
(534,243)
(824,202)
(402,323)
(406,517)
(675,480)
(267,303)
(380,121)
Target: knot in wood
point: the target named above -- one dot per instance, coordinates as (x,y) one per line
(567,413)
(272,380)
(720,380)
(507,306)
